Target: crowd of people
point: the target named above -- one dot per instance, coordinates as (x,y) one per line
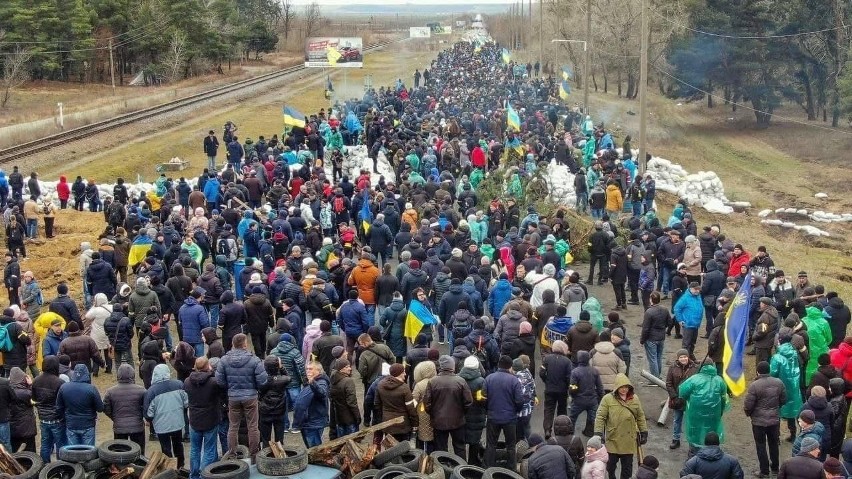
(286,281)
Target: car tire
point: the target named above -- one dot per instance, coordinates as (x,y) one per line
(366,474)
(500,473)
(388,455)
(392,472)
(62,470)
(94,465)
(468,472)
(410,459)
(31,462)
(295,462)
(448,462)
(77,454)
(229,469)
(119,451)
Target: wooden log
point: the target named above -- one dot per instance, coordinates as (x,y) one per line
(155,465)
(277,450)
(424,463)
(123,474)
(331,446)
(389,441)
(9,464)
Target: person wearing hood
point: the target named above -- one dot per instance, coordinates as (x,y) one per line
(445,400)
(414,279)
(621,420)
(607,360)
(618,275)
(164,405)
(706,396)
(100,277)
(689,311)
(272,402)
(819,337)
(44,391)
(123,405)
(712,284)
(343,399)
(499,295)
(211,339)
(710,462)
(232,317)
(381,241)
(364,277)
(294,365)
(119,331)
(193,319)
(204,397)
(310,412)
(22,417)
(838,316)
(140,301)
(393,324)
(242,373)
(79,402)
(82,349)
(595,465)
(259,318)
(764,398)
(211,284)
(312,333)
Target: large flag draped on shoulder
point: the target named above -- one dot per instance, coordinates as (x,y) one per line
(567,73)
(736,335)
(564,90)
(512,118)
(138,250)
(292,117)
(418,316)
(366,214)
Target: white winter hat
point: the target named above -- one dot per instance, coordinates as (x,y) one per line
(471,362)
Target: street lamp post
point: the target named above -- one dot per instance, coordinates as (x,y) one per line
(585,67)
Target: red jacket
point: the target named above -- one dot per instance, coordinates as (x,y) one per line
(841,359)
(62,189)
(477,157)
(737,262)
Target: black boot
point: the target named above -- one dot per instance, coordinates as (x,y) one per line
(675,444)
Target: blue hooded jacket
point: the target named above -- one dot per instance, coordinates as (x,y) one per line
(211,190)
(500,294)
(4,182)
(78,401)
(689,310)
(244,223)
(193,318)
(311,409)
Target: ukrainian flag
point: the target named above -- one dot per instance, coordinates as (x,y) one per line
(506,56)
(418,317)
(567,74)
(333,55)
(138,250)
(736,334)
(366,213)
(512,118)
(293,117)
(564,90)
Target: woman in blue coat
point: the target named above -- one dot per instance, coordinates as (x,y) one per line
(310,413)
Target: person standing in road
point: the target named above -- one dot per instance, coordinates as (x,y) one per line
(45,389)
(310,413)
(447,398)
(653,336)
(123,404)
(504,400)
(79,403)
(679,371)
(242,373)
(211,147)
(204,399)
(689,311)
(763,400)
(621,423)
(165,406)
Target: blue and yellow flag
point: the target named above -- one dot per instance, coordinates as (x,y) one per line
(138,250)
(564,90)
(418,316)
(567,73)
(506,56)
(366,214)
(736,335)
(292,117)
(512,118)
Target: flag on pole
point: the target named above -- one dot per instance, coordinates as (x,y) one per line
(567,73)
(736,334)
(332,54)
(512,118)
(418,316)
(139,249)
(366,214)
(292,117)
(564,90)
(506,56)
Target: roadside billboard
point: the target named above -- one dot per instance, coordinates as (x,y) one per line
(460,23)
(334,52)
(419,32)
(445,30)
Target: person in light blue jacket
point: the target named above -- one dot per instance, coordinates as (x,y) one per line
(165,405)
(689,311)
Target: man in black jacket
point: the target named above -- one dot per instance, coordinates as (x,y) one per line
(653,337)
(17,357)
(123,404)
(12,278)
(45,388)
(599,249)
(549,461)
(16,183)
(447,398)
(205,397)
(64,306)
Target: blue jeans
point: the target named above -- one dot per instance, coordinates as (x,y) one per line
(637,208)
(199,349)
(223,434)
(202,450)
(654,353)
(292,396)
(312,436)
(80,437)
(371,314)
(582,203)
(649,204)
(345,430)
(597,213)
(213,310)
(6,435)
(32,228)
(677,424)
(666,275)
(211,163)
(52,435)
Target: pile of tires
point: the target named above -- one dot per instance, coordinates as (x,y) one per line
(31,462)
(295,462)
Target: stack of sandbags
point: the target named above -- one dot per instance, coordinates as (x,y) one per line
(561,184)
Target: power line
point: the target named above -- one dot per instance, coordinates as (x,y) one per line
(127,41)
(53,42)
(741,105)
(747,37)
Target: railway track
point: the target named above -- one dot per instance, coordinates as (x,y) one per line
(25,150)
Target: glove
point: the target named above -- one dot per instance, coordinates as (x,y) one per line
(600,435)
(643,437)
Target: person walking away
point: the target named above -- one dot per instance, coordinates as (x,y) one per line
(79,402)
(618,273)
(504,399)
(447,398)
(596,460)
(204,397)
(294,365)
(586,390)
(45,389)
(49,211)
(193,319)
(608,363)
(599,250)
(620,421)
(423,373)
(521,368)
(394,399)
(564,437)
(548,461)
(123,404)
(310,414)
(805,464)
(706,396)
(165,404)
(475,415)
(556,374)
(689,311)
(653,335)
(682,368)
(784,365)
(22,421)
(272,402)
(344,400)
(764,399)
(242,373)
(711,462)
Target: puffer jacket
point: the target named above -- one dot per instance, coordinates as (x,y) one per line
(78,401)
(81,349)
(446,400)
(710,462)
(152,355)
(500,294)
(594,467)
(586,386)
(22,421)
(272,396)
(713,282)
(508,327)
(204,397)
(311,408)
(581,337)
(370,362)
(476,414)
(139,303)
(689,310)
(260,314)
(242,373)
(193,318)
(46,387)
(393,400)
(764,399)
(165,401)
(607,363)
(364,277)
(550,461)
(354,319)
(292,361)
(119,331)
(344,401)
(123,402)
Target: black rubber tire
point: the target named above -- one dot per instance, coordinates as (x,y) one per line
(521,448)
(62,470)
(119,451)
(414,475)
(468,472)
(31,462)
(392,472)
(500,473)
(226,470)
(295,462)
(77,454)
(242,452)
(366,474)
(167,474)
(448,462)
(410,459)
(388,455)
(94,465)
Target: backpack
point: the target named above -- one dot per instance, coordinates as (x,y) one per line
(332,256)
(461,328)
(7,342)
(480,353)
(223,247)
(339,204)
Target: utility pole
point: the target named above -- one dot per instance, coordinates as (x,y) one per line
(111,68)
(643,91)
(540,31)
(521,26)
(587,51)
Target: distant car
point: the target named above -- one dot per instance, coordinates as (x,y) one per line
(350,54)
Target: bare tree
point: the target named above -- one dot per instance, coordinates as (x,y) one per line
(15,72)
(313,18)
(175,56)
(288,16)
